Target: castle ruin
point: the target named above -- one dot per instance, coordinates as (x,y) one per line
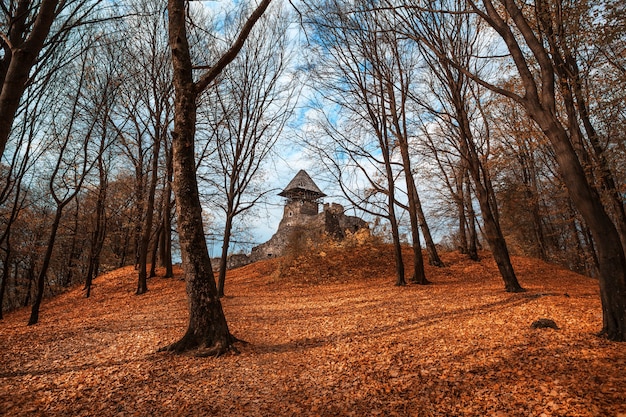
(303,220)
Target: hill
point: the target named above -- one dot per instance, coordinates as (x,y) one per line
(328,334)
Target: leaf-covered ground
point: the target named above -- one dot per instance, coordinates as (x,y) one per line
(328,334)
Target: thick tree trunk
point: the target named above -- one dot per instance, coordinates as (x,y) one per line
(564,55)
(22,59)
(540,103)
(207,331)
(611,258)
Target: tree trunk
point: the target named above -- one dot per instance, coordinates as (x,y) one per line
(166,244)
(611,258)
(155,250)
(6,266)
(207,331)
(224,257)
(564,54)
(472,249)
(140,209)
(397,247)
(97,238)
(415,208)
(21,60)
(142,283)
(34,314)
(431,248)
(419,275)
(459,198)
(493,233)
(395,232)
(540,103)
(124,249)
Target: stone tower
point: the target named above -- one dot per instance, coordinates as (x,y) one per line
(302,217)
(303,197)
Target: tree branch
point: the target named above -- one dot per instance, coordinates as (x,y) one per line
(208,77)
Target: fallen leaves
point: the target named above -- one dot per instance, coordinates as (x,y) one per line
(333,338)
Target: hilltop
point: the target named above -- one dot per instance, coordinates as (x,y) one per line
(328,334)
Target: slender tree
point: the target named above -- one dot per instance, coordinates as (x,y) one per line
(248,110)
(69,172)
(369,70)
(454,37)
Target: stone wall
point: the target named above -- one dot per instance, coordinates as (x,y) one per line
(296,228)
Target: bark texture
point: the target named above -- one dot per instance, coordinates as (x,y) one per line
(207,332)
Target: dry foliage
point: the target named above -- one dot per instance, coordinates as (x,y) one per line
(333,336)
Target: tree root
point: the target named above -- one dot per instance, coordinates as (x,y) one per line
(423,281)
(512,289)
(201,350)
(612,336)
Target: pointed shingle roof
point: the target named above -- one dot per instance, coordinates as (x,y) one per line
(302,182)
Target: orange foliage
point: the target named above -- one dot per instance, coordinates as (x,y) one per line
(333,337)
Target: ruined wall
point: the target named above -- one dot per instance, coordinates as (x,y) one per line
(300,223)
(298,211)
(298,226)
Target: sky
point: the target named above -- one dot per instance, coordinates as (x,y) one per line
(289,159)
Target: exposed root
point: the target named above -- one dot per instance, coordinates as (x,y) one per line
(514,289)
(216,350)
(198,349)
(175,347)
(612,336)
(422,281)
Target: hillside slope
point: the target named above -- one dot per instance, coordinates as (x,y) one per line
(328,334)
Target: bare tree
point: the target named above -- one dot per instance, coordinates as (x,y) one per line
(368,71)
(30,30)
(73,162)
(247,111)
(454,37)
(207,331)
(540,102)
(99,102)
(144,117)
(536,68)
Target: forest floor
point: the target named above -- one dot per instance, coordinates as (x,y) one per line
(328,334)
